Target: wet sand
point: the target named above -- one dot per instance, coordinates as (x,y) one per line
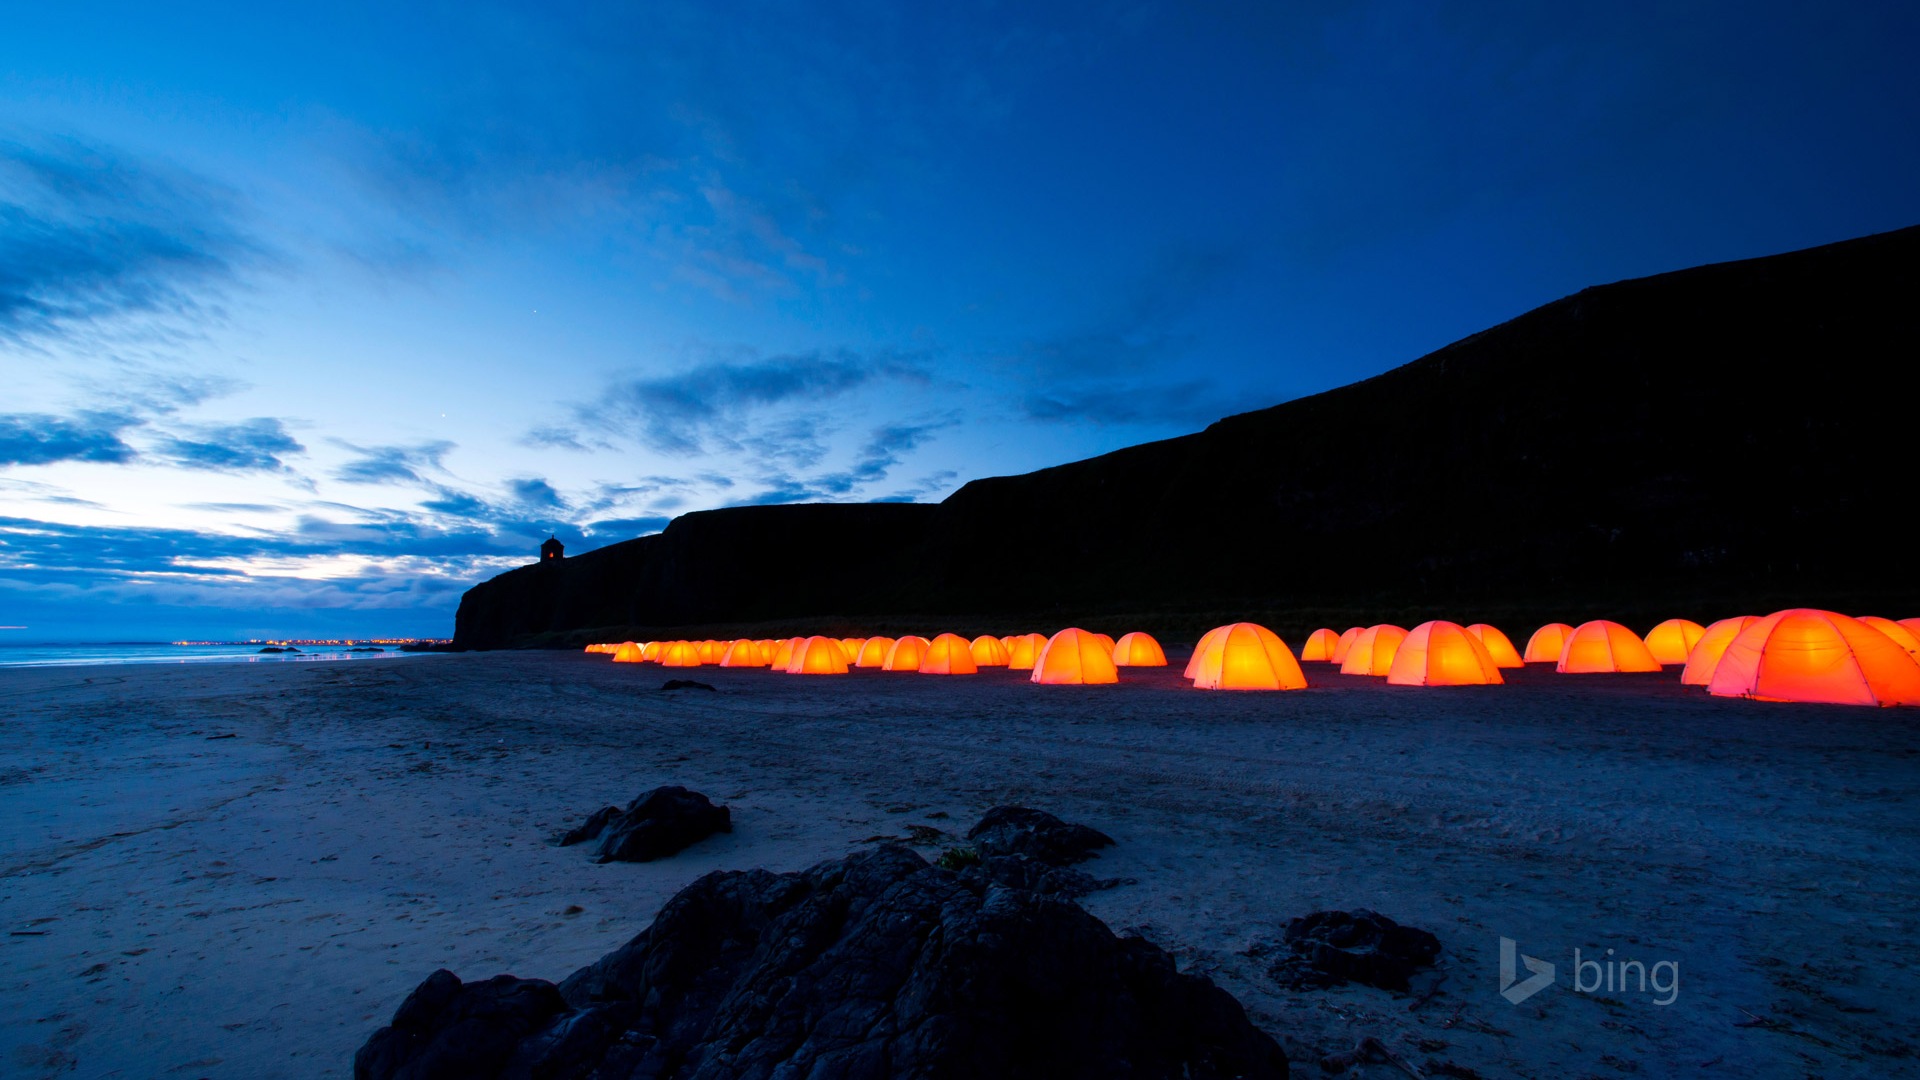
(181,904)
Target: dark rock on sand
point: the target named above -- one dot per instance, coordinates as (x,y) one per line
(449,1029)
(278,649)
(1015,872)
(684,684)
(1331,948)
(660,823)
(872,966)
(1034,834)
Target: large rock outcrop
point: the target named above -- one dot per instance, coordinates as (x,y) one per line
(1722,438)
(873,966)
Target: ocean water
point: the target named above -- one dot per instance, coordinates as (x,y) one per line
(41,654)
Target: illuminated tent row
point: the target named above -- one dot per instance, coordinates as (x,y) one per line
(1806,655)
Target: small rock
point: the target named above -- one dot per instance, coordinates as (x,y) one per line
(661,822)
(684,684)
(1034,834)
(1332,948)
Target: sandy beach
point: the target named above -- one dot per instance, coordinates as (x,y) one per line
(240,870)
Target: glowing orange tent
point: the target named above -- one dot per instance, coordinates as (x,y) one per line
(783,653)
(680,654)
(744,653)
(650,652)
(1499,646)
(874,652)
(1441,653)
(1246,656)
(1347,639)
(989,651)
(1711,646)
(852,646)
(818,655)
(948,654)
(1803,654)
(906,654)
(1320,645)
(628,653)
(1546,644)
(1372,651)
(1200,648)
(1901,636)
(1601,645)
(1024,650)
(1138,649)
(598,649)
(1671,641)
(1074,656)
(1911,624)
(1104,639)
(710,651)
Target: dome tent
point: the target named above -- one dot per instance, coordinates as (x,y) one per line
(852,646)
(1603,646)
(650,652)
(1901,636)
(1671,641)
(1711,646)
(948,654)
(1023,650)
(1441,653)
(1347,639)
(1074,657)
(1499,646)
(783,653)
(1372,651)
(1104,639)
(744,653)
(1803,654)
(711,651)
(1200,650)
(906,654)
(874,652)
(629,653)
(1545,645)
(1246,656)
(680,654)
(1138,649)
(988,651)
(1320,645)
(818,655)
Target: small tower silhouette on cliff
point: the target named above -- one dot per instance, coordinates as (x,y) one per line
(552,550)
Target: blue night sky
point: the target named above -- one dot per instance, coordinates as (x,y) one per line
(310,320)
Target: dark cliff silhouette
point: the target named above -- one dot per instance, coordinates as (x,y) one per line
(1703,442)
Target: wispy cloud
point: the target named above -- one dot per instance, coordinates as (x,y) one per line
(1112,367)
(535,493)
(42,438)
(258,445)
(90,236)
(710,405)
(626,528)
(877,458)
(393,464)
